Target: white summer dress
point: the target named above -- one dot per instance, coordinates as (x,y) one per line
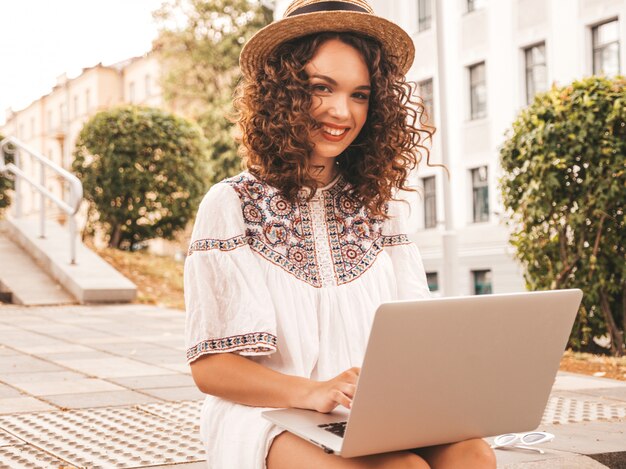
(292,286)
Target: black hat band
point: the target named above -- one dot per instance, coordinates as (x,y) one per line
(327,6)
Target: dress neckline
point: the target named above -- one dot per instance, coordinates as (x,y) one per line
(335,183)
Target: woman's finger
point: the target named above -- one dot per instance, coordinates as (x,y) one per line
(350,376)
(348,389)
(340,398)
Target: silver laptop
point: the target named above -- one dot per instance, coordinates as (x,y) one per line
(443,370)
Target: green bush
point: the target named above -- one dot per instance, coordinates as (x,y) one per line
(6,184)
(143,170)
(564,187)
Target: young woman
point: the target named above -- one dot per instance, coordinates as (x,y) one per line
(289,260)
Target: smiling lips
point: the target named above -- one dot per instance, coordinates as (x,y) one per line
(334,133)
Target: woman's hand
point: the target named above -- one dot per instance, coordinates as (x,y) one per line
(324,396)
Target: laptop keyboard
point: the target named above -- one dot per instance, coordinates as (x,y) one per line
(337,428)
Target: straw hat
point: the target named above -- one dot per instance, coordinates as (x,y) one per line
(304,17)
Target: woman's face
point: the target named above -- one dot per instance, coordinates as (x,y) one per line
(340,83)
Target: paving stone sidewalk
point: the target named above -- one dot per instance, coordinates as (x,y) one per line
(108,386)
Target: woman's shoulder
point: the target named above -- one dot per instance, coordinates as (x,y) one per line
(220,211)
(237,191)
(248,187)
(228,188)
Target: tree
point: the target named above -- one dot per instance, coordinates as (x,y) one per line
(564,186)
(198,46)
(6,182)
(143,170)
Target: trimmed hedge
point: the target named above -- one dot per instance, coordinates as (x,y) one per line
(564,187)
(144,171)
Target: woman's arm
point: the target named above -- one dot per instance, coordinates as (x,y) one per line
(244,381)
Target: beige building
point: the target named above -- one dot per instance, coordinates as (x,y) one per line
(51,123)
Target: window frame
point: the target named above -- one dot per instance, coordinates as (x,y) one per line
(429,276)
(598,49)
(489,281)
(530,68)
(131,92)
(475,5)
(424,15)
(430,202)
(480,216)
(148,85)
(478,109)
(428,99)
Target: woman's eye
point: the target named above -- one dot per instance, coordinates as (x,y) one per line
(321,88)
(363,96)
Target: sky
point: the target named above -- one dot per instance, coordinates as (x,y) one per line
(43,39)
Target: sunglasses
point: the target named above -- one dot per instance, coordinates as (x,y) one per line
(522,440)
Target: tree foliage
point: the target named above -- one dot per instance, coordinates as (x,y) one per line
(7,183)
(144,171)
(564,187)
(198,47)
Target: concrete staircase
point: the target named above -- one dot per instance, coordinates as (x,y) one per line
(23,282)
(37,271)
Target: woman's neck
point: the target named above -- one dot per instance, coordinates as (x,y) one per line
(325,171)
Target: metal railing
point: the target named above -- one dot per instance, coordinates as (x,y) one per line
(12,146)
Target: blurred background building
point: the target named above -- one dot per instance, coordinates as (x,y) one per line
(497,55)
(51,123)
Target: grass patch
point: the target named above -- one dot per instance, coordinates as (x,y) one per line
(159,279)
(594,365)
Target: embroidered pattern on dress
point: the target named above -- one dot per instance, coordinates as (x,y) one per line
(330,240)
(221,244)
(255,342)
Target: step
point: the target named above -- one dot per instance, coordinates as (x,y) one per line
(90,280)
(24,282)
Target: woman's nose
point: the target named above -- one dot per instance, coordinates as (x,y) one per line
(339,107)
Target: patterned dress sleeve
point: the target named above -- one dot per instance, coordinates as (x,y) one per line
(405,256)
(228,306)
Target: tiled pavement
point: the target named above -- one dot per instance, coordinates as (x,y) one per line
(107,386)
(96,386)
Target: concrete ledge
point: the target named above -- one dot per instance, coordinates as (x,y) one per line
(90,280)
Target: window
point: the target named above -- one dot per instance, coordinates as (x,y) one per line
(20,132)
(482,282)
(433,281)
(536,71)
(473,5)
(131,91)
(49,120)
(606,49)
(32,127)
(62,114)
(480,194)
(147,86)
(424,11)
(87,101)
(426,93)
(478,91)
(76,106)
(430,202)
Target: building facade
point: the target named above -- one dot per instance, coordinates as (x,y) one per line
(497,55)
(51,123)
